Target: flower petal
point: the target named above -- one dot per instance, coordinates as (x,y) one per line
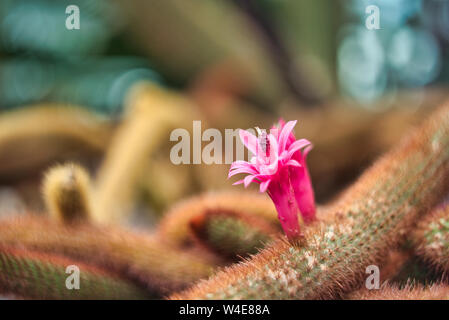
(275,132)
(285,133)
(242,170)
(242,164)
(238,163)
(249,140)
(294,163)
(248,180)
(307,150)
(297,145)
(264,185)
(242,167)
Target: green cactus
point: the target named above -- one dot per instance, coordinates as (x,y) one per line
(26,274)
(369,221)
(431,238)
(373,215)
(415,270)
(138,258)
(176,226)
(231,234)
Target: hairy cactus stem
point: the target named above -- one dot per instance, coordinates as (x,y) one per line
(32,275)
(373,216)
(431,238)
(232,234)
(175,227)
(67,193)
(410,292)
(137,257)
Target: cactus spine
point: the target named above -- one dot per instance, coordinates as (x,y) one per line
(411,292)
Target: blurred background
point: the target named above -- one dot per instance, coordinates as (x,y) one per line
(88,95)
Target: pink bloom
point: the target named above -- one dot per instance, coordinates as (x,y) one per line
(279,166)
(302,184)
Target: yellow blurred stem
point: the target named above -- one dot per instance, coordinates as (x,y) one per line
(33,136)
(67,193)
(152,113)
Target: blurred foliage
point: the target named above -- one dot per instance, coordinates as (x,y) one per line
(44,61)
(236,64)
(410,50)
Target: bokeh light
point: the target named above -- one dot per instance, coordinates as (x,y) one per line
(405,52)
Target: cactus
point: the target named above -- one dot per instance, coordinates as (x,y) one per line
(417,271)
(373,215)
(400,269)
(431,238)
(394,264)
(411,292)
(422,259)
(366,225)
(28,274)
(69,124)
(232,234)
(67,193)
(137,257)
(139,136)
(175,227)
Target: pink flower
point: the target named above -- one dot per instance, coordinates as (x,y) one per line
(302,184)
(279,166)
